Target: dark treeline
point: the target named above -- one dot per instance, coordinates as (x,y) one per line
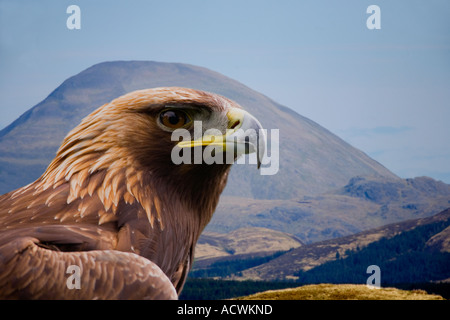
(225,268)
(209,289)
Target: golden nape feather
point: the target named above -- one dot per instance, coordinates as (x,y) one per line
(114,216)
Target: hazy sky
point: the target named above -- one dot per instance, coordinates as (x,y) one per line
(385,91)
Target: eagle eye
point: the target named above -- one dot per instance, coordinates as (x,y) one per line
(174,119)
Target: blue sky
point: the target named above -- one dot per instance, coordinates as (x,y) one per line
(385,91)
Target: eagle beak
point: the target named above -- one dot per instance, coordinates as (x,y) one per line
(244,135)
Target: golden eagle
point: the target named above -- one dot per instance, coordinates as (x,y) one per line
(113,216)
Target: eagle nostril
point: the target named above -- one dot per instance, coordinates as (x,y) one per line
(235,124)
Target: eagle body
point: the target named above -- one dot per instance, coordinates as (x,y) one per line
(113,205)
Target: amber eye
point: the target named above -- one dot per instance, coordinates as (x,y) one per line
(174,119)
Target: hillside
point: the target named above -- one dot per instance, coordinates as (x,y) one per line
(312,159)
(243,241)
(362,204)
(399,247)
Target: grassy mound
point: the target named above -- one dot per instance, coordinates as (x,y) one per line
(341,292)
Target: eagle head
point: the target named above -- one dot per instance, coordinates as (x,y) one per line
(178,140)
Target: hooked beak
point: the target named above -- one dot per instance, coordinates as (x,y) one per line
(244,135)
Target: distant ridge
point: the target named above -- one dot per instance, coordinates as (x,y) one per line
(412,243)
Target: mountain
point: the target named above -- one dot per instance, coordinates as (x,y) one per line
(312,160)
(324,188)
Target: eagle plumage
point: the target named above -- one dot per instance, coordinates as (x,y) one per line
(113,203)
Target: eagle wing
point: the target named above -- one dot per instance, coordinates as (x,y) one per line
(31,271)
(42,236)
